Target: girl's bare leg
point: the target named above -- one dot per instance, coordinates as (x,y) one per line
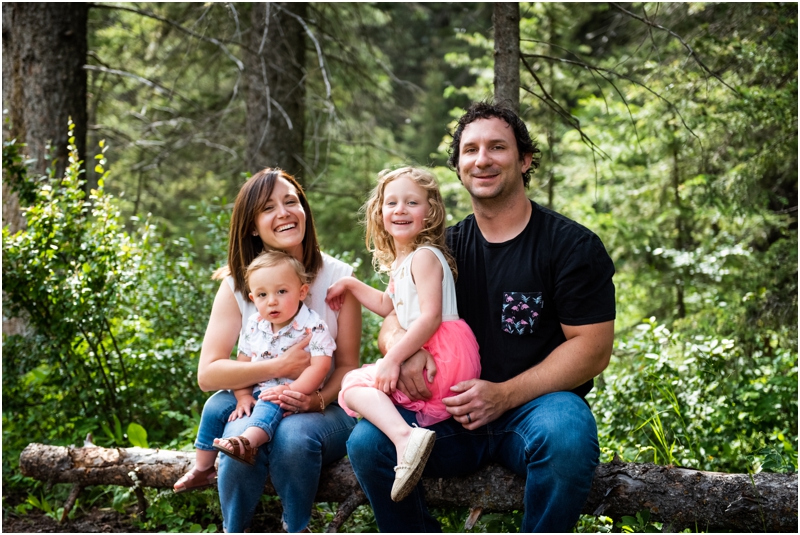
(379,409)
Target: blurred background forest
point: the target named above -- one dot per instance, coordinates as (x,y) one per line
(670,130)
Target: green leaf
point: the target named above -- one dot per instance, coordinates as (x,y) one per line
(117,429)
(137,435)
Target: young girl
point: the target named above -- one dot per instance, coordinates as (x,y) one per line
(278,284)
(405,232)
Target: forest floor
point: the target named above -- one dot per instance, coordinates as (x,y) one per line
(95,521)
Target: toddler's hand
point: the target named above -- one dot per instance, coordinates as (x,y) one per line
(243,407)
(271,394)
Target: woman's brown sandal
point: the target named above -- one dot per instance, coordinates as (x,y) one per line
(196,479)
(241,450)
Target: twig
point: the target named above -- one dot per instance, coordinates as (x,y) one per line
(692,53)
(73,496)
(160,89)
(346,509)
(624,77)
(555,106)
(316,45)
(185,30)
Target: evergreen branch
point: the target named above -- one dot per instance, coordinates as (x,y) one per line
(158,88)
(692,53)
(624,77)
(212,40)
(556,107)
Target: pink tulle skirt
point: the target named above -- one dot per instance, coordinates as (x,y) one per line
(455,352)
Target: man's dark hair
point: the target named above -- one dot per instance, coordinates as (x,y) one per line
(485,110)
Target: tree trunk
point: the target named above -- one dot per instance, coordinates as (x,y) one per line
(44,83)
(678,497)
(275,87)
(506,54)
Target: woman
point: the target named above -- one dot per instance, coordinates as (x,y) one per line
(272,212)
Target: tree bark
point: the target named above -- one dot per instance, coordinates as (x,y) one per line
(274,67)
(505,20)
(44,82)
(678,497)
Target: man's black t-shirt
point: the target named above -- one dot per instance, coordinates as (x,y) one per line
(515,295)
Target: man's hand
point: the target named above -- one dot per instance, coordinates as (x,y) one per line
(412,375)
(477,403)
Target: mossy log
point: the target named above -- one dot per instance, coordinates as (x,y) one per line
(679,497)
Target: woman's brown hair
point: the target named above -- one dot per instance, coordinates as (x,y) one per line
(243,247)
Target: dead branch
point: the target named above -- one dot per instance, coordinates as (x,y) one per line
(679,497)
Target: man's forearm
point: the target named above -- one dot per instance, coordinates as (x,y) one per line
(581,358)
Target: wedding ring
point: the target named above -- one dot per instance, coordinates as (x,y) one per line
(469,419)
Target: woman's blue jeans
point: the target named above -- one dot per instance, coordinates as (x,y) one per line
(552,441)
(302,445)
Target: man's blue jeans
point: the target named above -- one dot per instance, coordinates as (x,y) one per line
(552,441)
(303,443)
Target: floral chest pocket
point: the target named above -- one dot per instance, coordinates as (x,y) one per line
(521,312)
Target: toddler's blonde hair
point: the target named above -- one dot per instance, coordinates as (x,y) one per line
(275,258)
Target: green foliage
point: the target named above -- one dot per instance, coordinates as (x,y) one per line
(195,512)
(699,402)
(639,523)
(114,321)
(692,186)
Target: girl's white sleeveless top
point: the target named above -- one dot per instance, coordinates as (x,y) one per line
(406,299)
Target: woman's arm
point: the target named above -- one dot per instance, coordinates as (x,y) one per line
(348,345)
(216,370)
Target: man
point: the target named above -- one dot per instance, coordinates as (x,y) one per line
(536,289)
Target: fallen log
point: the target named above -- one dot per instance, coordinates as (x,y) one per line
(680,498)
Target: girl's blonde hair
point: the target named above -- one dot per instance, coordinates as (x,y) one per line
(380,243)
(274,258)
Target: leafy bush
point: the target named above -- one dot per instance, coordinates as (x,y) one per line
(114,319)
(699,402)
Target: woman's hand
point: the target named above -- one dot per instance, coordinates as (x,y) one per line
(243,407)
(292,401)
(295,359)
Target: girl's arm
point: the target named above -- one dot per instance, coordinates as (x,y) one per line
(216,370)
(376,301)
(427,272)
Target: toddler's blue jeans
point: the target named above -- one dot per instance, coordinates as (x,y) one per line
(218,408)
